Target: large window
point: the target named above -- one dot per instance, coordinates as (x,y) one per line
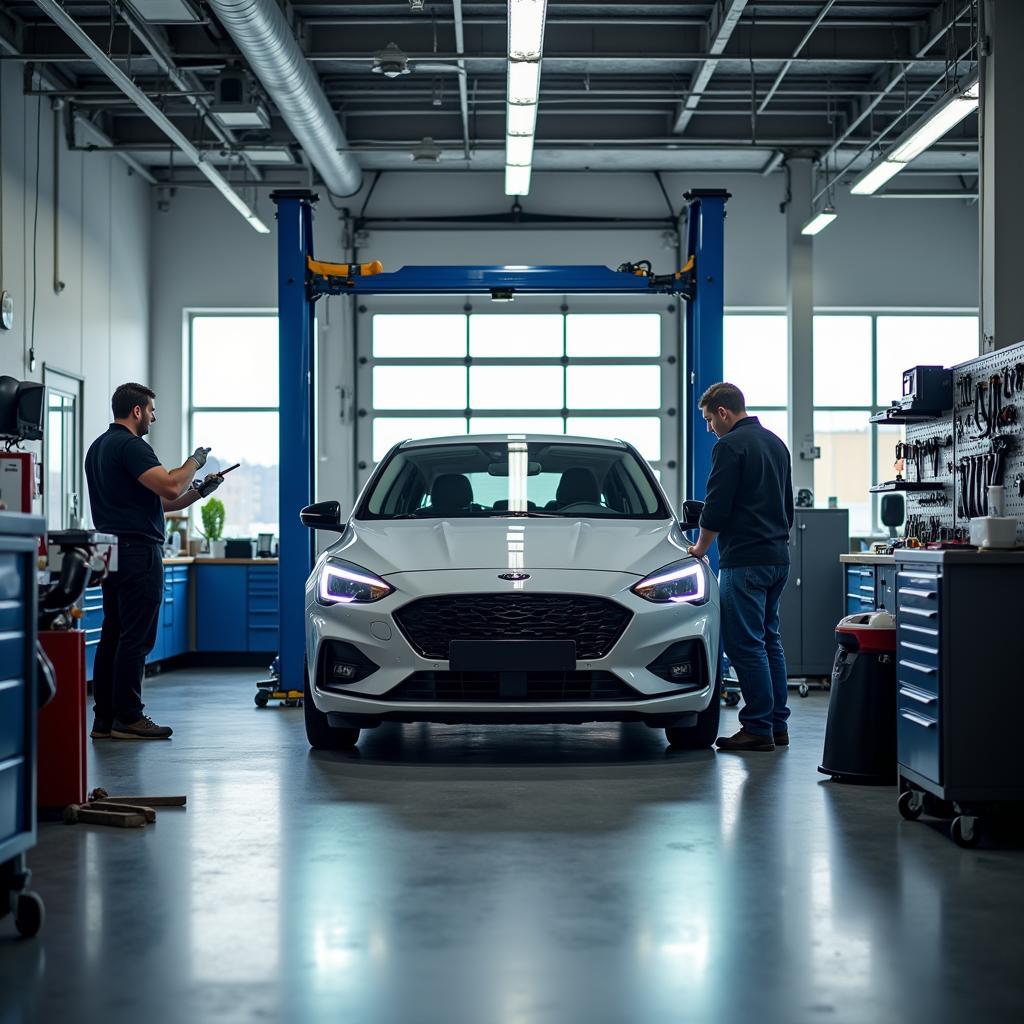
(593,374)
(233,374)
(859,359)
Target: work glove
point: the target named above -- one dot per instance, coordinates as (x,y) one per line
(199,456)
(208,484)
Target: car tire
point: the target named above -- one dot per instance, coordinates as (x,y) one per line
(319,732)
(701,735)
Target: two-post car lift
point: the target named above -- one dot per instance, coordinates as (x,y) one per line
(302,280)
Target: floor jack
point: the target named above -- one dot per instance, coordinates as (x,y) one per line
(270,689)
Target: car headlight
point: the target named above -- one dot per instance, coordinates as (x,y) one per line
(342,583)
(683,582)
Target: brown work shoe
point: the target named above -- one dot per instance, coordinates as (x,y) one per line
(781,739)
(100,729)
(144,729)
(744,740)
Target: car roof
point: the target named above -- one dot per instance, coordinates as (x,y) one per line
(424,442)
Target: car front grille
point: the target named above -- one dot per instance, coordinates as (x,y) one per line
(431,623)
(425,687)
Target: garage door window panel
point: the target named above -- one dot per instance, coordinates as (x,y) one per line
(516,336)
(613,387)
(419,336)
(419,387)
(608,335)
(516,387)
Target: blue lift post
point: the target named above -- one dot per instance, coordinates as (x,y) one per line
(300,285)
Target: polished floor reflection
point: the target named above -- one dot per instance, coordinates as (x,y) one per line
(504,875)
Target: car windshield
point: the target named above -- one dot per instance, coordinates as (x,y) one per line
(513,478)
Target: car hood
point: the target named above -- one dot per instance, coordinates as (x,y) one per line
(631,546)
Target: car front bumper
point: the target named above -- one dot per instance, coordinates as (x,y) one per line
(373,631)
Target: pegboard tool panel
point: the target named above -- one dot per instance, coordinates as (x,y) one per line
(980,442)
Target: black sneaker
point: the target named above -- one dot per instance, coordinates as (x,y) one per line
(781,739)
(144,729)
(100,729)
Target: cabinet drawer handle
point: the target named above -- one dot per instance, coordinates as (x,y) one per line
(919,647)
(867,589)
(91,643)
(918,695)
(914,592)
(912,716)
(920,629)
(918,611)
(925,670)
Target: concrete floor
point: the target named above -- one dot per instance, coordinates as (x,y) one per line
(512,875)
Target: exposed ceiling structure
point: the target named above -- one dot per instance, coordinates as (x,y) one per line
(725,86)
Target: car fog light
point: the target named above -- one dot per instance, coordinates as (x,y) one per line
(345,671)
(680,670)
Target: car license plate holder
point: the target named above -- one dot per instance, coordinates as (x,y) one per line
(512,655)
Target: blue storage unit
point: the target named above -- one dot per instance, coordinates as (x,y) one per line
(237,608)
(92,623)
(18,705)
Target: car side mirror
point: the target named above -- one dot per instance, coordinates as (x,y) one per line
(691,514)
(323,515)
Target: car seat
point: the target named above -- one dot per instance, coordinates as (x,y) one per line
(577,485)
(451,492)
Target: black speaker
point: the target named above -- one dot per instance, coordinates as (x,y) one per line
(22,408)
(893,510)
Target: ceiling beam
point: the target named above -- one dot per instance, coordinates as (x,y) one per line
(725,16)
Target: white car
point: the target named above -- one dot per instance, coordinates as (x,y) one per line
(510,578)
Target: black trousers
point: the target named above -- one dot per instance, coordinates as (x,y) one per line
(131,605)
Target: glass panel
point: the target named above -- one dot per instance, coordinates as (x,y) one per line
(523,335)
(389,430)
(844,469)
(613,334)
(885,466)
(516,425)
(234,361)
(494,478)
(250,492)
(515,387)
(775,420)
(644,432)
(613,387)
(842,360)
(419,387)
(419,336)
(905,341)
(755,357)
(56,468)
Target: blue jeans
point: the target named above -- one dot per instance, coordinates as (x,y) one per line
(750,635)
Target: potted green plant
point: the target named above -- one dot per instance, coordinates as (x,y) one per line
(212,514)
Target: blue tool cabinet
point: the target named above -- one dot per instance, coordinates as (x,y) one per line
(18,706)
(236,608)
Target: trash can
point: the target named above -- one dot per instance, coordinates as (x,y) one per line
(860,736)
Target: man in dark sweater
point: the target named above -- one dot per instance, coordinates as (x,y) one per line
(749,509)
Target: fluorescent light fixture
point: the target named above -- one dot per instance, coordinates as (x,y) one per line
(519,150)
(521,118)
(819,222)
(526,29)
(517,180)
(242,115)
(875,177)
(946,114)
(270,155)
(523,81)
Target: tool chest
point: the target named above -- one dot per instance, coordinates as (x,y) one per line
(957,617)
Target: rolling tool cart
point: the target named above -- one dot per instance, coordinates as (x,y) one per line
(19,700)
(957,673)
(271,689)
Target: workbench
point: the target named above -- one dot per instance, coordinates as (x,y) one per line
(222,605)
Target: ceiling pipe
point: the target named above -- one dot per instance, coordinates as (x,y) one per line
(458,69)
(460,49)
(268,44)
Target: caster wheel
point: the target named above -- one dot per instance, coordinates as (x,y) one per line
(803,689)
(288,703)
(261,699)
(732,699)
(29,914)
(910,805)
(964,831)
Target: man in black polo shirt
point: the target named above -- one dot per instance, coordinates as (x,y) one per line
(130,491)
(749,508)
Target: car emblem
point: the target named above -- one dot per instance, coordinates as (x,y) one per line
(514,577)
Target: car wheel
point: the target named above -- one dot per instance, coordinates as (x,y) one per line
(319,732)
(701,735)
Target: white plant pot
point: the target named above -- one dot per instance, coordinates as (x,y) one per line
(217,548)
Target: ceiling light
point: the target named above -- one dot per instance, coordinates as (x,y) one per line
(519,150)
(525,29)
(521,118)
(875,177)
(427,151)
(236,103)
(269,155)
(517,180)
(390,62)
(523,81)
(819,222)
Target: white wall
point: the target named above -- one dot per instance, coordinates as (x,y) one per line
(98,327)
(879,253)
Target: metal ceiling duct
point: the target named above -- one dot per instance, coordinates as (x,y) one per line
(267,42)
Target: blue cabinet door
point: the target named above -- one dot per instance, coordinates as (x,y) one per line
(158,646)
(221,608)
(92,623)
(178,643)
(264,618)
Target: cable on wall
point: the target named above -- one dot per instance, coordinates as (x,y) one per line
(35,242)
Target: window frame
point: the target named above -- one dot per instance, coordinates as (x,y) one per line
(191,314)
(878,403)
